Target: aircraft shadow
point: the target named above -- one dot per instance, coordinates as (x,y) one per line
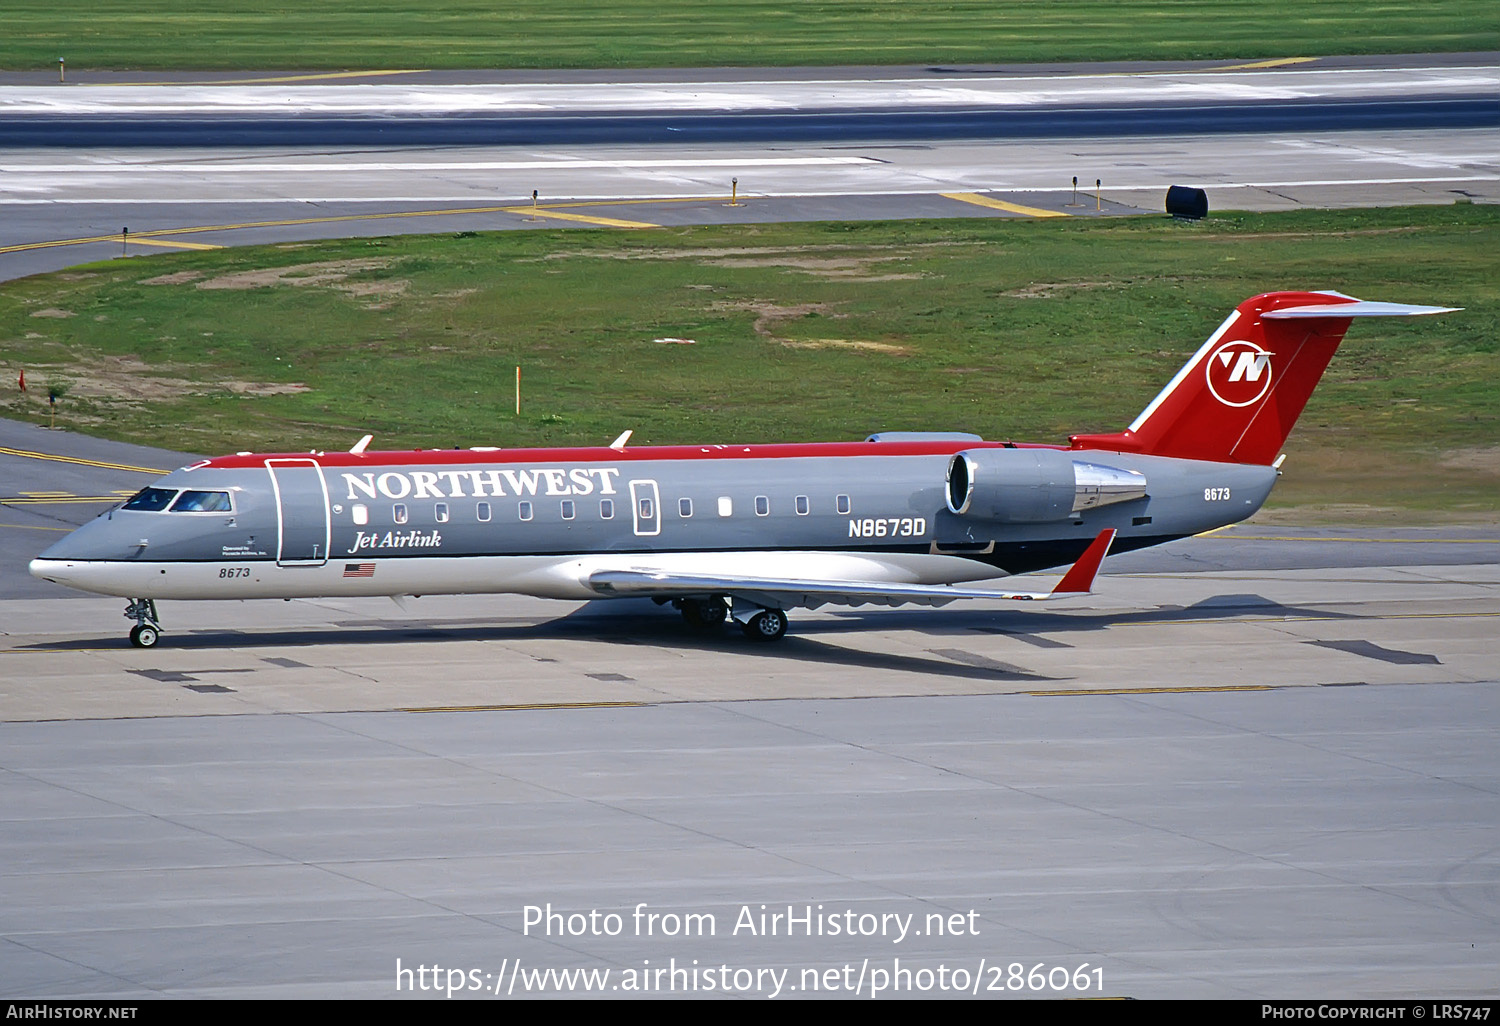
(642,623)
(1028,622)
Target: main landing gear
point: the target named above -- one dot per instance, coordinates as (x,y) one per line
(147,630)
(758,622)
(703,614)
(766,625)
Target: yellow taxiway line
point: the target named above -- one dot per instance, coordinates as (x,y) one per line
(149,237)
(606,222)
(58,500)
(1368,541)
(1013,208)
(257,81)
(1252,618)
(511,708)
(1155,691)
(28,454)
(167,244)
(1279,62)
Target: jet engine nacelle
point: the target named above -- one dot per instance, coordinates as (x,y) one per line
(1033,486)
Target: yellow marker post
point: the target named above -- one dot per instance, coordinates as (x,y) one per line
(62,68)
(518,390)
(1098,194)
(734,192)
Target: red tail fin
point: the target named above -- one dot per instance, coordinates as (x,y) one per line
(1236,400)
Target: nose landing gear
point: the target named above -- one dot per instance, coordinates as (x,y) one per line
(147,630)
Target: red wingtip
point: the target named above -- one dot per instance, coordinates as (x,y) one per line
(1080,578)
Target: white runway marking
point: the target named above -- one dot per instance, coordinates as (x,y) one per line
(201,167)
(405,98)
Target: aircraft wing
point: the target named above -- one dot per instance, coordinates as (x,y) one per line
(786,592)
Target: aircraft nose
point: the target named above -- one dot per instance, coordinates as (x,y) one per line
(47,569)
(88,558)
(58,571)
(103,538)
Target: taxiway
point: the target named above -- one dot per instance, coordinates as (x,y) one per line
(1259,762)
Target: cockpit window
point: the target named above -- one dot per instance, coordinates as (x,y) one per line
(151,499)
(202,502)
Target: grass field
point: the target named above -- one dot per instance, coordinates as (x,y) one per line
(799,332)
(327,34)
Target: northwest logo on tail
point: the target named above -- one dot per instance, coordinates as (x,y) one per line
(1239,373)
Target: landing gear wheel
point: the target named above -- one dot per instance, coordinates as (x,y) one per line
(147,630)
(704,614)
(767,625)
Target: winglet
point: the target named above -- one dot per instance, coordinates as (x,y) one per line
(1080,579)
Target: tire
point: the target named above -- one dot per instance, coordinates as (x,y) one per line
(769,625)
(144,636)
(704,614)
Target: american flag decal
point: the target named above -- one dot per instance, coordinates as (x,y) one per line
(359,569)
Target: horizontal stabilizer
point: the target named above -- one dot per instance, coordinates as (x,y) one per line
(1358,308)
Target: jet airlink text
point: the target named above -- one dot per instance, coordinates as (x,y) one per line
(482,484)
(805,921)
(364,540)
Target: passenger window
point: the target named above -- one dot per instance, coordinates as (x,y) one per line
(646,509)
(525,510)
(398,512)
(440,512)
(361,513)
(684,507)
(567,509)
(606,509)
(482,512)
(843,504)
(803,508)
(726,506)
(202,502)
(762,506)
(151,499)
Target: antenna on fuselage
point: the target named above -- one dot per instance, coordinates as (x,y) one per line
(359,446)
(618,445)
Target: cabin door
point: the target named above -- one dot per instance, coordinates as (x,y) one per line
(302,525)
(647,508)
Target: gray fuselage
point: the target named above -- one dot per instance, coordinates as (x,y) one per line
(289,515)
